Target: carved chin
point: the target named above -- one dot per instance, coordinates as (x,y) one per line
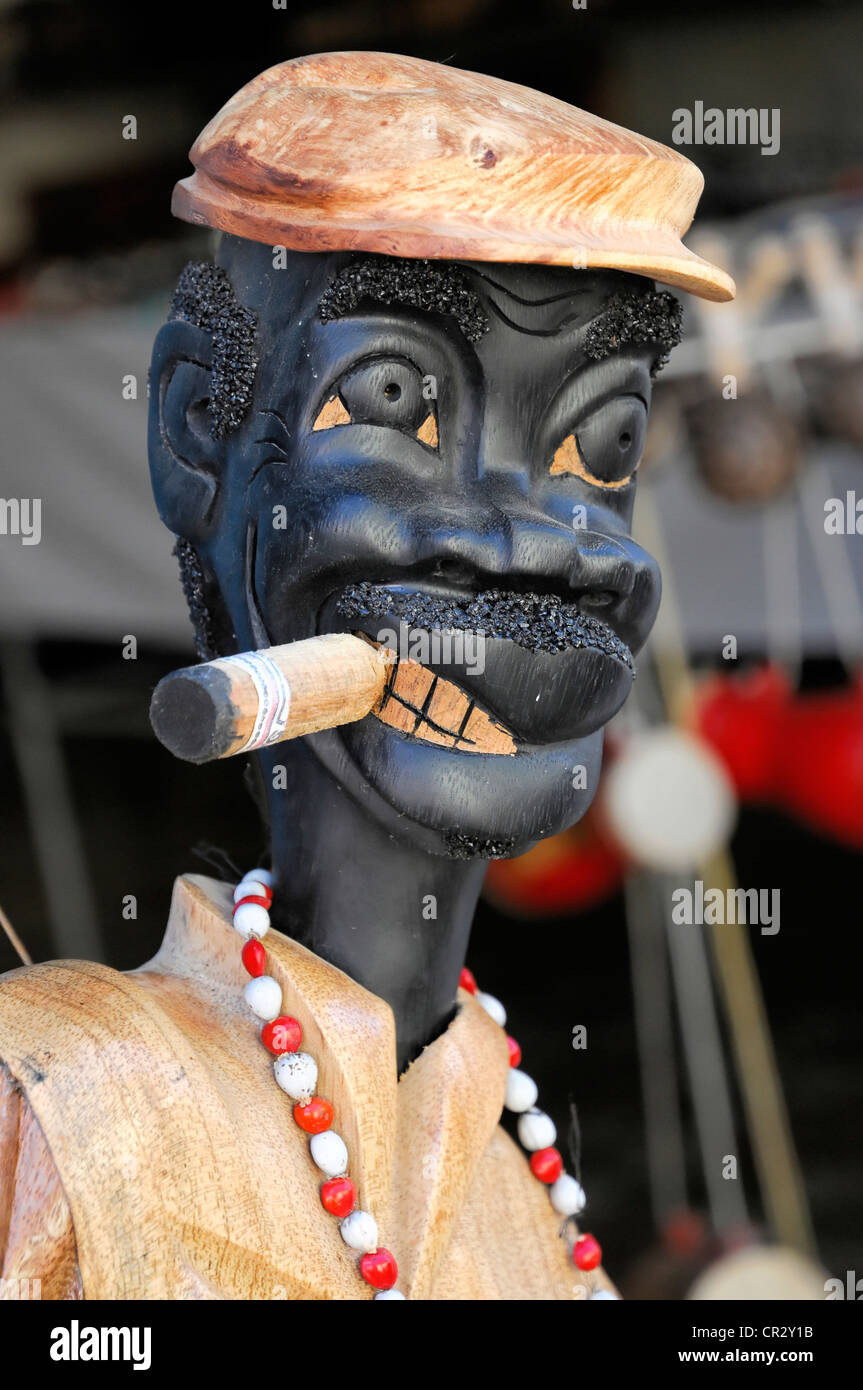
(462,805)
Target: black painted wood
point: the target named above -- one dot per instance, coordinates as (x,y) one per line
(379,840)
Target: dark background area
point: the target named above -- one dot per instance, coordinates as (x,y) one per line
(69,240)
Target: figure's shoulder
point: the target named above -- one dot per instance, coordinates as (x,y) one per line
(48,1010)
(63,1013)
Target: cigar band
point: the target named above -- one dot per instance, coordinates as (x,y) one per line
(274,697)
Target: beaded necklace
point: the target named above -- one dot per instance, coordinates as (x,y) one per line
(296,1072)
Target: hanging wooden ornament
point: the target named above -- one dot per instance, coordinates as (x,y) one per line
(669,800)
(746,450)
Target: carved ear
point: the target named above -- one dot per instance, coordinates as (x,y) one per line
(185,460)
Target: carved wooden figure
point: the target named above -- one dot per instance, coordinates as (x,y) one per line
(406,402)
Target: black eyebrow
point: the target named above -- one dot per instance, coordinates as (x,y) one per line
(633,316)
(630,316)
(434,287)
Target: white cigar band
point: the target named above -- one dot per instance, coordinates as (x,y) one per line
(274,697)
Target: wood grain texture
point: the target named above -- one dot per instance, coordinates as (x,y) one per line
(432,709)
(183,1170)
(334,679)
(377,152)
(38,1255)
(214,710)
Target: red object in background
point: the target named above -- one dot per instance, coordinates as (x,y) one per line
(685,1233)
(800,753)
(739,717)
(819,763)
(565,873)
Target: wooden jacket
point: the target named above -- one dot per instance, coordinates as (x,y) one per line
(147,1152)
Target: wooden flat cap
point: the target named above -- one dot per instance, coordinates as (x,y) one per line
(375,152)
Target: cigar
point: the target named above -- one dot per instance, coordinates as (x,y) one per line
(238,703)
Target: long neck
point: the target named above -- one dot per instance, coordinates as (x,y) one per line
(394,918)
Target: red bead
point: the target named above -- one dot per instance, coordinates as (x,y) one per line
(282,1035)
(315,1116)
(254,898)
(467,981)
(379,1269)
(546,1164)
(262,890)
(254,957)
(339,1196)
(514,1052)
(586,1253)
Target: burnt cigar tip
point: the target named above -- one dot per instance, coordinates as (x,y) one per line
(189,719)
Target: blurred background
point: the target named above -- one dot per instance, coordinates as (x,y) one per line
(698,1043)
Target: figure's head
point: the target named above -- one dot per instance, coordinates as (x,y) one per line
(437,453)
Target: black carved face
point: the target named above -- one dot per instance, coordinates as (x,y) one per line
(427,451)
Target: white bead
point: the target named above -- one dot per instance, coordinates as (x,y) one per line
(249,888)
(329,1153)
(360,1231)
(264,997)
(259,876)
(388,1293)
(536,1130)
(493,1007)
(521,1091)
(603,1294)
(251,920)
(567,1196)
(297,1074)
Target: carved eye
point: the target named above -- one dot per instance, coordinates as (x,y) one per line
(606,447)
(382,392)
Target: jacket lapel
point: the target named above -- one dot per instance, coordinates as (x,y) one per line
(414,1143)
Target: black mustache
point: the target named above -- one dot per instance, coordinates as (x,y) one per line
(538,622)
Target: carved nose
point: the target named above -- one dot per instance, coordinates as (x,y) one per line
(616,580)
(603,572)
(609,576)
